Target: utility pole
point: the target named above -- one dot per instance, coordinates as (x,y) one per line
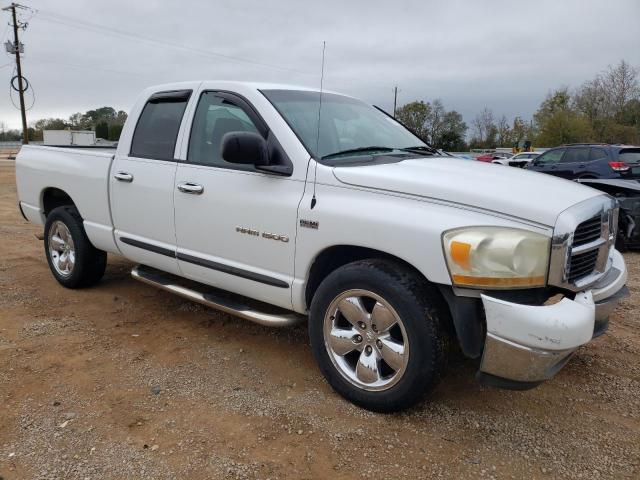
(395,99)
(16,50)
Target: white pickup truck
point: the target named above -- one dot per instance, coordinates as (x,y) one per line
(267,203)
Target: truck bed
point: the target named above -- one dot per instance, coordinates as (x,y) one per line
(82,173)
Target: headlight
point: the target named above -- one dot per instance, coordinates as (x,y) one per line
(496,257)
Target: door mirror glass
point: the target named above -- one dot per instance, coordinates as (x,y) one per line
(245,148)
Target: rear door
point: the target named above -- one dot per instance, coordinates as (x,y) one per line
(574,163)
(142,184)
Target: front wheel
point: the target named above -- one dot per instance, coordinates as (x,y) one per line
(73,260)
(377,330)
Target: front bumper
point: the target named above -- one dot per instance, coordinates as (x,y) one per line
(526,345)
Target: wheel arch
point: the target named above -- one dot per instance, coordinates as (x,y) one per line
(53,197)
(465,318)
(336,256)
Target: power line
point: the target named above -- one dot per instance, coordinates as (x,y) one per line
(83,66)
(107,30)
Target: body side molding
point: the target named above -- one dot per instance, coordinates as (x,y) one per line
(238,272)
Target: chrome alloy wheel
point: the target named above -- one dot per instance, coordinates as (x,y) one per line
(366,340)
(61,248)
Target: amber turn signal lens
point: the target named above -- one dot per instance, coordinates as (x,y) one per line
(461,253)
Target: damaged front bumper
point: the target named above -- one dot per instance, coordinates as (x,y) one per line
(526,345)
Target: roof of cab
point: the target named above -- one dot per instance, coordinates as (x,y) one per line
(231,84)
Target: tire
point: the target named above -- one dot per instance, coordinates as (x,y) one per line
(396,292)
(84,265)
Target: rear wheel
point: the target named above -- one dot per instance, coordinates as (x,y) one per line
(377,332)
(73,260)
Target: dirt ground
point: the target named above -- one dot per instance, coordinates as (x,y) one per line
(125,381)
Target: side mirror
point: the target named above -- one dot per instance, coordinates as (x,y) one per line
(246,148)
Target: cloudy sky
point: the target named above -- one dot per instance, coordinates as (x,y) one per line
(503,54)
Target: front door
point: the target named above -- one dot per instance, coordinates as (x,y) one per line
(235,225)
(548,161)
(142,185)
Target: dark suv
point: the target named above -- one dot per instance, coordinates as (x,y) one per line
(586,160)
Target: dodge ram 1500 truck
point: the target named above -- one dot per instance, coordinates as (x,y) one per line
(276,203)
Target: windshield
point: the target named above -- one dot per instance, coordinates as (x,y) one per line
(348,127)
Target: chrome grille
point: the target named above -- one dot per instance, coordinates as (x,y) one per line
(582,265)
(588,231)
(582,240)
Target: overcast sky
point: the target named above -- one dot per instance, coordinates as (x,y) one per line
(503,54)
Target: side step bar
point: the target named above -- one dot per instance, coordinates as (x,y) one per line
(226,302)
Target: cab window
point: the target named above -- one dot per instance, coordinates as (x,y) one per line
(157,129)
(216,115)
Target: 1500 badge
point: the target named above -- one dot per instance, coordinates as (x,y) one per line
(256,233)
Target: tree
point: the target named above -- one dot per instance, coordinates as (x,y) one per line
(453,134)
(51,124)
(433,124)
(622,85)
(78,121)
(564,127)
(520,132)
(557,101)
(99,115)
(114,132)
(102,130)
(484,129)
(414,115)
(558,122)
(504,133)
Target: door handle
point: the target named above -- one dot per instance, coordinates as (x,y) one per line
(123,177)
(191,188)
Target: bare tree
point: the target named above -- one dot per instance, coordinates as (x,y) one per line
(622,84)
(483,124)
(504,132)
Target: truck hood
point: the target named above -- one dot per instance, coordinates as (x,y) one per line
(531,196)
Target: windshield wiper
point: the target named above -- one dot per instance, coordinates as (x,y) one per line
(421,149)
(359,150)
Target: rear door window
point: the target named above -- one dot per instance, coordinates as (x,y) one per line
(550,157)
(576,155)
(157,129)
(629,155)
(597,154)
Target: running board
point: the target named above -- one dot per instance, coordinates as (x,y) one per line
(220,300)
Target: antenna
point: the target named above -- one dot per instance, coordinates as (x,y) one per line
(315,170)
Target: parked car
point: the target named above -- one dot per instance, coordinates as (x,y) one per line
(489,157)
(242,197)
(518,160)
(586,160)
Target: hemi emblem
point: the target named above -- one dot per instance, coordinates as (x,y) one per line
(309,224)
